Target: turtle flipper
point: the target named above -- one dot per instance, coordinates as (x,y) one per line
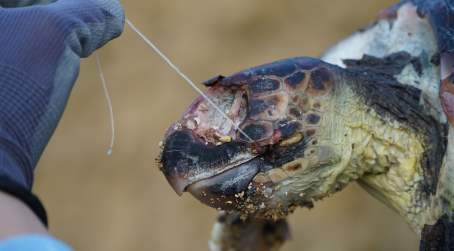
(441,16)
(438,237)
(231,233)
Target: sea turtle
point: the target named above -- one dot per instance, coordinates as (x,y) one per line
(378,108)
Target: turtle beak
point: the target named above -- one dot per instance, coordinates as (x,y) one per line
(203,144)
(186,159)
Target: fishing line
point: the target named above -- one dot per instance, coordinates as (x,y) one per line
(109,104)
(186,78)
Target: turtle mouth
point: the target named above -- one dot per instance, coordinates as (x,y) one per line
(218,176)
(204,146)
(225,190)
(186,160)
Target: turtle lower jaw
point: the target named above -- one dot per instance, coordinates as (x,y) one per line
(187,159)
(212,179)
(226,190)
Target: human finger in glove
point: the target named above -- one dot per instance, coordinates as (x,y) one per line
(41,44)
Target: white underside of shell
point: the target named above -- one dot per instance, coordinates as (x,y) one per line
(414,35)
(408,33)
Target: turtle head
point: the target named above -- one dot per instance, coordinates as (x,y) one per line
(276,153)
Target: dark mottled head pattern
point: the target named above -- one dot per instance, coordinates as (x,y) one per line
(288,128)
(321,82)
(258,130)
(289,90)
(297,80)
(279,69)
(312,119)
(264,85)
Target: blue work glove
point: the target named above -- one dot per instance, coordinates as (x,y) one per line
(33,243)
(41,43)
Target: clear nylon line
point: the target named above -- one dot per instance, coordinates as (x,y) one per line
(109,104)
(186,78)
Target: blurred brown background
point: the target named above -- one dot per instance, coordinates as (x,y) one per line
(123,202)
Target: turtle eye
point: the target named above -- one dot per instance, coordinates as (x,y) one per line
(267,104)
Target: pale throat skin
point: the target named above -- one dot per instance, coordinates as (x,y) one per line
(356,143)
(397,183)
(386,155)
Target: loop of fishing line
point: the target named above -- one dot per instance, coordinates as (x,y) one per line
(109,104)
(186,78)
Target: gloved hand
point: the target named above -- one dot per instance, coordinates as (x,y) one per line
(40,50)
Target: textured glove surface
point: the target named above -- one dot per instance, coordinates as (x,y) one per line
(41,43)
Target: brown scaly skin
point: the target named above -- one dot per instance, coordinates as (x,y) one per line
(317,127)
